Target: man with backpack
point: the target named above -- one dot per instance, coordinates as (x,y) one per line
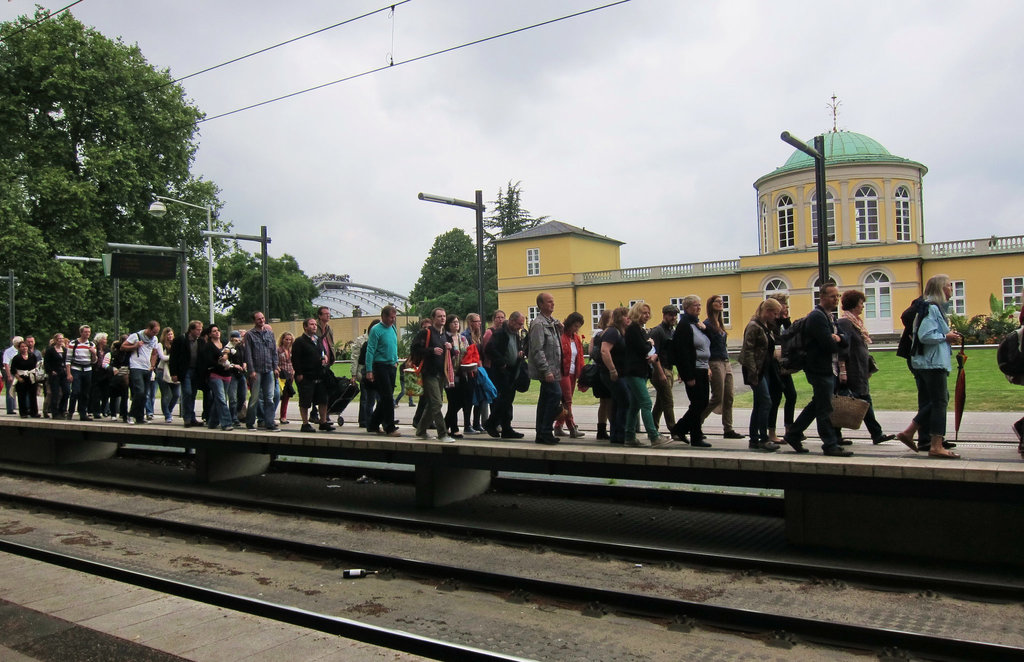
(822,341)
(141,346)
(81,356)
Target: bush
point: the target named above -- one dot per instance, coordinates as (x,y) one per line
(986,329)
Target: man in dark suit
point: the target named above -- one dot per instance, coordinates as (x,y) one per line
(505,352)
(182,366)
(823,341)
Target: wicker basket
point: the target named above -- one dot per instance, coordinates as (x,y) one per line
(848,411)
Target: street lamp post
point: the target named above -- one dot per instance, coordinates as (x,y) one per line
(158,209)
(264,240)
(478,206)
(818,154)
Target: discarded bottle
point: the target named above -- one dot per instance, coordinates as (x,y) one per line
(356,573)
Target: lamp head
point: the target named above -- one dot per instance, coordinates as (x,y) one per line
(157,209)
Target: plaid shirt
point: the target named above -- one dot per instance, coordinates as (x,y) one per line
(262,350)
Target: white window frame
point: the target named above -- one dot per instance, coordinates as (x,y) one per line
(532,261)
(596,310)
(902,213)
(764,228)
(726,316)
(532,313)
(677,302)
(830,217)
(959,297)
(787,225)
(1013,288)
(768,290)
(865,204)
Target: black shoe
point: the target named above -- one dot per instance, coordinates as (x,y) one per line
(327,427)
(548,441)
(836,451)
(795,444)
(882,438)
(733,434)
(492,431)
(699,443)
(306,427)
(512,434)
(602,435)
(846,442)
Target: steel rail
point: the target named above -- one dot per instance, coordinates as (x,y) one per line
(902,579)
(731,618)
(345,627)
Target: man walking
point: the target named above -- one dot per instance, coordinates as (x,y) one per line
(662,337)
(504,351)
(262,356)
(308,363)
(182,365)
(431,348)
(81,356)
(141,347)
(546,366)
(381,359)
(823,341)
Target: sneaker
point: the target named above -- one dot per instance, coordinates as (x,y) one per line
(576,434)
(836,451)
(130,421)
(493,432)
(763,446)
(168,420)
(393,433)
(273,428)
(699,443)
(733,434)
(661,441)
(250,428)
(472,431)
(306,427)
(559,432)
(426,436)
(149,417)
(629,442)
(479,430)
(446,439)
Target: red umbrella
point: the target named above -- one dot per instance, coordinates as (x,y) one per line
(960,395)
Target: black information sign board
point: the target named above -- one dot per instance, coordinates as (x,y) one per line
(144,265)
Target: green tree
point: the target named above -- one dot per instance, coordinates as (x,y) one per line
(89,131)
(448,278)
(240,286)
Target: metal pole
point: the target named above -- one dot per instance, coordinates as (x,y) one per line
(266,285)
(209,260)
(819,187)
(184,286)
(117,309)
(10,299)
(480,254)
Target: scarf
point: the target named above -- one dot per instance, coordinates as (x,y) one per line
(859,323)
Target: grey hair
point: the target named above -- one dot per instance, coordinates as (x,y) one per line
(689,300)
(934,289)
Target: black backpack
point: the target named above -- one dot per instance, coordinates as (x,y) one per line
(793,343)
(1010,357)
(909,345)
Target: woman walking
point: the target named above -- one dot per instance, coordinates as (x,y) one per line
(931,368)
(22,366)
(572,368)
(54,360)
(639,358)
(856,364)
(598,389)
(721,370)
(457,393)
(756,358)
(287,373)
(613,362)
(170,391)
(781,386)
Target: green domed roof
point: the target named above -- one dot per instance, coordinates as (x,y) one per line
(843,147)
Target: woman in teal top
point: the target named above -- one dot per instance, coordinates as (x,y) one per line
(931,364)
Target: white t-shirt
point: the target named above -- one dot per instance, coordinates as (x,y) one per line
(143,354)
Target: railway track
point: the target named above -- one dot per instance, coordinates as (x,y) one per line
(676,613)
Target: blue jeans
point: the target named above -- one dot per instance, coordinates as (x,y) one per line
(10,398)
(759,415)
(219,413)
(187,382)
(138,381)
(549,403)
(819,409)
(169,394)
(263,388)
(81,385)
(933,385)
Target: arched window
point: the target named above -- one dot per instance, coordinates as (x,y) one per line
(787,231)
(764,228)
(817,282)
(775,285)
(902,199)
(865,204)
(877,296)
(830,217)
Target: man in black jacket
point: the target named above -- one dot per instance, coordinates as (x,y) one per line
(505,352)
(182,366)
(662,337)
(308,363)
(823,341)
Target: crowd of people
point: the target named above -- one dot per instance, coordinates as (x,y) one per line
(249,379)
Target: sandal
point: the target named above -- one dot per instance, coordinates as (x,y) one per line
(948,455)
(907,441)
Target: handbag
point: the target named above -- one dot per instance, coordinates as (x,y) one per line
(848,411)
(589,376)
(522,379)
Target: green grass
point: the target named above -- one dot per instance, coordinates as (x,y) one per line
(892,387)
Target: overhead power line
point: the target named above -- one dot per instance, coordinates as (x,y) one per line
(35,23)
(411,60)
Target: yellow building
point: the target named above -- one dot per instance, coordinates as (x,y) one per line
(875,232)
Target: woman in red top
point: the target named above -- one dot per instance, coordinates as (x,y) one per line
(572,367)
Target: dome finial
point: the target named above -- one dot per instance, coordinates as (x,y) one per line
(834,107)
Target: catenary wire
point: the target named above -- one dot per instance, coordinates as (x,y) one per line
(35,23)
(410,60)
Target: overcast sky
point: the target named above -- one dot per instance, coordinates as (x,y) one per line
(647,122)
